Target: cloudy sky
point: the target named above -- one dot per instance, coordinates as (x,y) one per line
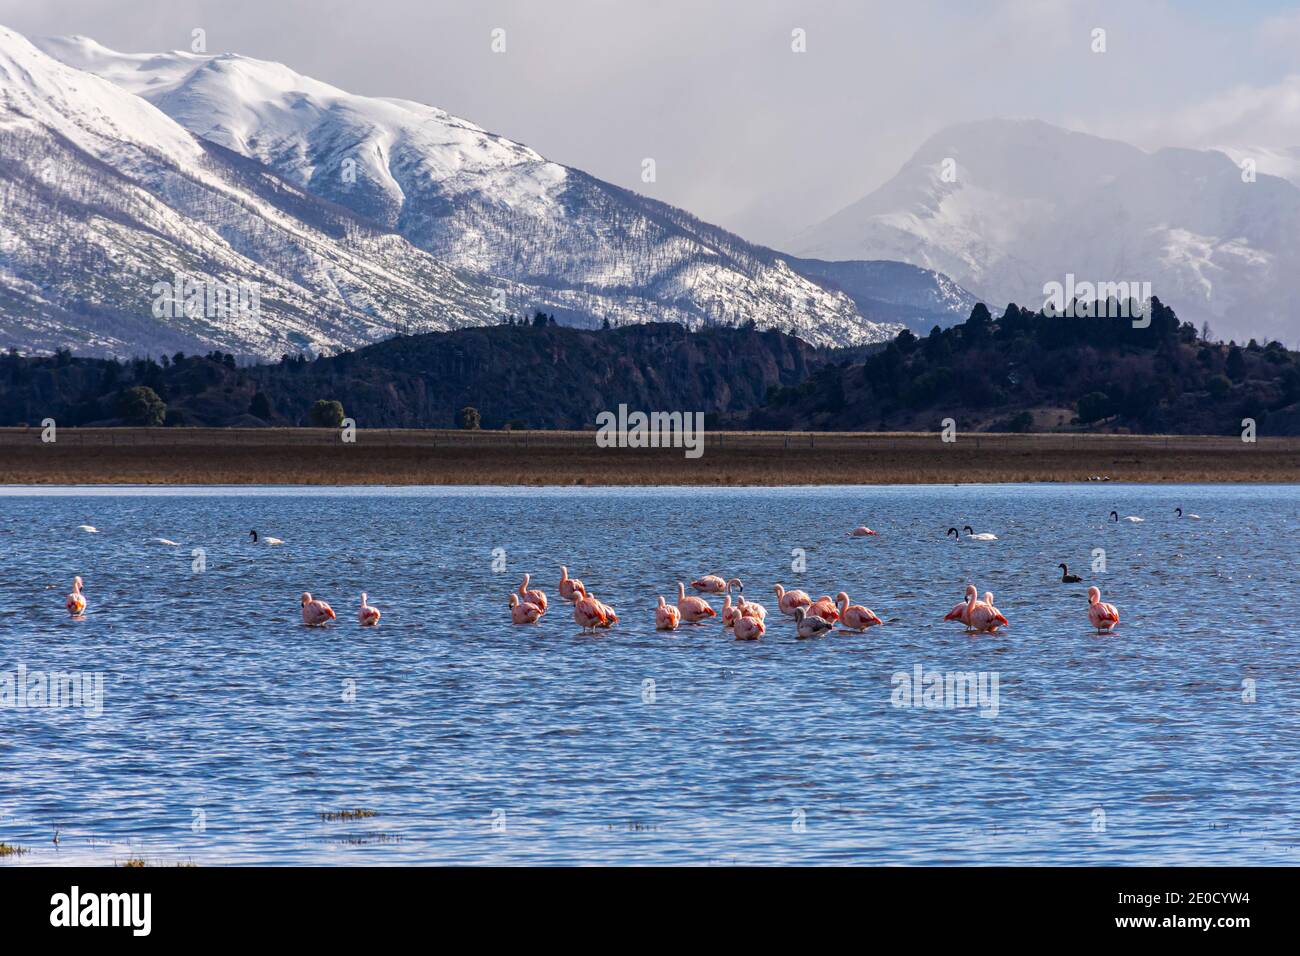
(744,131)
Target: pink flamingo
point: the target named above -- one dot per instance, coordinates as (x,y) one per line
(749,628)
(1102,616)
(368,616)
(694,609)
(610,617)
(824,608)
(76,601)
(589,613)
(535,596)
(315,613)
(712,584)
(751,609)
(521,612)
(861,531)
(730,612)
(667,617)
(961,612)
(855,617)
(787,602)
(569,586)
(984,617)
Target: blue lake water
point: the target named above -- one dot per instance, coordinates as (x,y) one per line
(228,728)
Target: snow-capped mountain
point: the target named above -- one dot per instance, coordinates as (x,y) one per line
(1025,203)
(543,234)
(105,201)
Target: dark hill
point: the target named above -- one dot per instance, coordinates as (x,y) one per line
(1031,372)
(528,375)
(1021,372)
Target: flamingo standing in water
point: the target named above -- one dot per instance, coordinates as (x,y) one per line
(861,531)
(1102,616)
(787,602)
(521,612)
(610,617)
(535,596)
(961,612)
(810,625)
(367,615)
(749,628)
(694,609)
(751,609)
(315,613)
(730,612)
(984,617)
(589,613)
(855,617)
(825,609)
(76,601)
(570,587)
(712,584)
(667,617)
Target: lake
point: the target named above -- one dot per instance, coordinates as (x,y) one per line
(231,734)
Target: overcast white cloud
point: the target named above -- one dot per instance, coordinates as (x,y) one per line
(744,131)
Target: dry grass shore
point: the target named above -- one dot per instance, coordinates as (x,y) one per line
(447,457)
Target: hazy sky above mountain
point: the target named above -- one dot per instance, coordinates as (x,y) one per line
(744,131)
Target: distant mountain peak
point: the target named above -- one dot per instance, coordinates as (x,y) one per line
(1026,203)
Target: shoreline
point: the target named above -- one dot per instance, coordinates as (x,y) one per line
(306,457)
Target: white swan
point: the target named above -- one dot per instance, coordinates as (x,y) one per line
(167,541)
(88,528)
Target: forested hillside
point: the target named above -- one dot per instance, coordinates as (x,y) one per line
(1021,372)
(1029,372)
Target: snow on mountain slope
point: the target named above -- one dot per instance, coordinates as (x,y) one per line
(103,198)
(893,291)
(557,238)
(1032,202)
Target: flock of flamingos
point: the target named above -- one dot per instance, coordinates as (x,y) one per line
(747,620)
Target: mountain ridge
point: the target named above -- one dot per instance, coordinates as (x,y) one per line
(552,236)
(1027,203)
(104,198)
